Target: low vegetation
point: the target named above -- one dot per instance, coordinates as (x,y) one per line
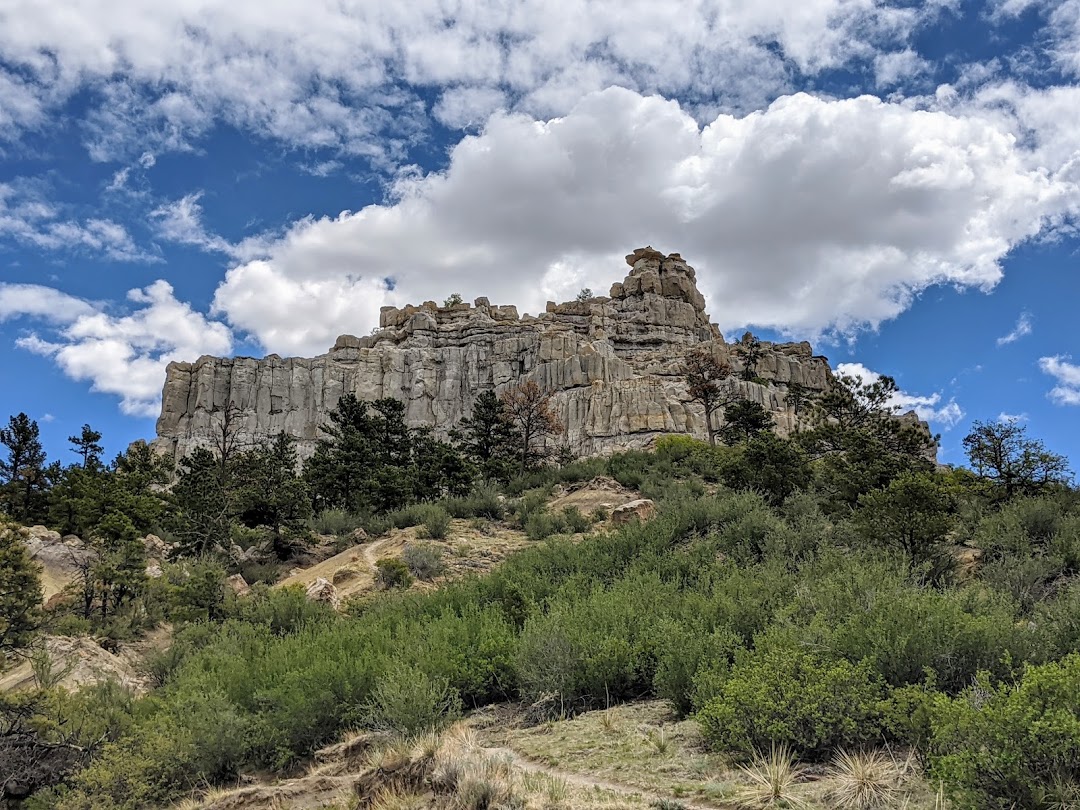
(804,602)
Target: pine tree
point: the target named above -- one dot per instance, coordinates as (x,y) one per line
(87,446)
(707,381)
(743,420)
(20,593)
(22,473)
(272,494)
(489,438)
(202,496)
(750,351)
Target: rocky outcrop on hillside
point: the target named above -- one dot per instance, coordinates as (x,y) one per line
(613,364)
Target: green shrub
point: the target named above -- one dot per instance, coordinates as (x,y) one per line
(392,573)
(1004,746)
(530,503)
(281,610)
(409,516)
(784,693)
(542,525)
(575,520)
(436,523)
(408,701)
(484,501)
(335,522)
(424,560)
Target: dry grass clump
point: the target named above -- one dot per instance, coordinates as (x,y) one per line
(772,778)
(471,778)
(865,780)
(399,800)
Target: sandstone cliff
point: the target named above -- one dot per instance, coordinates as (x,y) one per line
(613,363)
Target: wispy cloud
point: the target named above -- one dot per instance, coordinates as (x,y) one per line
(181,221)
(1022,329)
(28,218)
(1067,375)
(1012,417)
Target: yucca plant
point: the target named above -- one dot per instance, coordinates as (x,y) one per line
(863,780)
(772,778)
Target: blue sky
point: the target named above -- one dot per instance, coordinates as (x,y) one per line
(897,182)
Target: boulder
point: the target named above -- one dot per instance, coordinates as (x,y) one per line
(156,548)
(322,590)
(238,585)
(639,510)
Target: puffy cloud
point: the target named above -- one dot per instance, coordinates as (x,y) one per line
(37,301)
(809,216)
(1067,375)
(1022,329)
(929,408)
(126,355)
(324,73)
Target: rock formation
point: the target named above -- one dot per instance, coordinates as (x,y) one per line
(613,364)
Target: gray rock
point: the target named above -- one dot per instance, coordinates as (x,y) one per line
(612,363)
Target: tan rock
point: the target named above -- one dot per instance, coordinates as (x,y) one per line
(322,590)
(156,548)
(238,585)
(613,366)
(639,510)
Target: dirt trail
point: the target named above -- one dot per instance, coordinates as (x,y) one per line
(359,558)
(582,780)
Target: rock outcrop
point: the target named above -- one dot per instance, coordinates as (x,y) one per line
(613,364)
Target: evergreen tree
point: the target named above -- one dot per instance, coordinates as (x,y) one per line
(1002,454)
(272,494)
(860,442)
(20,594)
(743,420)
(87,446)
(439,469)
(119,571)
(489,438)
(369,460)
(22,473)
(749,350)
(797,396)
(202,495)
(911,513)
(769,464)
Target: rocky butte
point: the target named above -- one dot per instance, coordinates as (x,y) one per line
(613,364)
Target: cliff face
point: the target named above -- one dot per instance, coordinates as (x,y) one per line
(614,365)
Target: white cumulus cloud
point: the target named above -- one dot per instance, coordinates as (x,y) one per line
(326,73)
(929,408)
(37,301)
(1067,375)
(809,216)
(125,355)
